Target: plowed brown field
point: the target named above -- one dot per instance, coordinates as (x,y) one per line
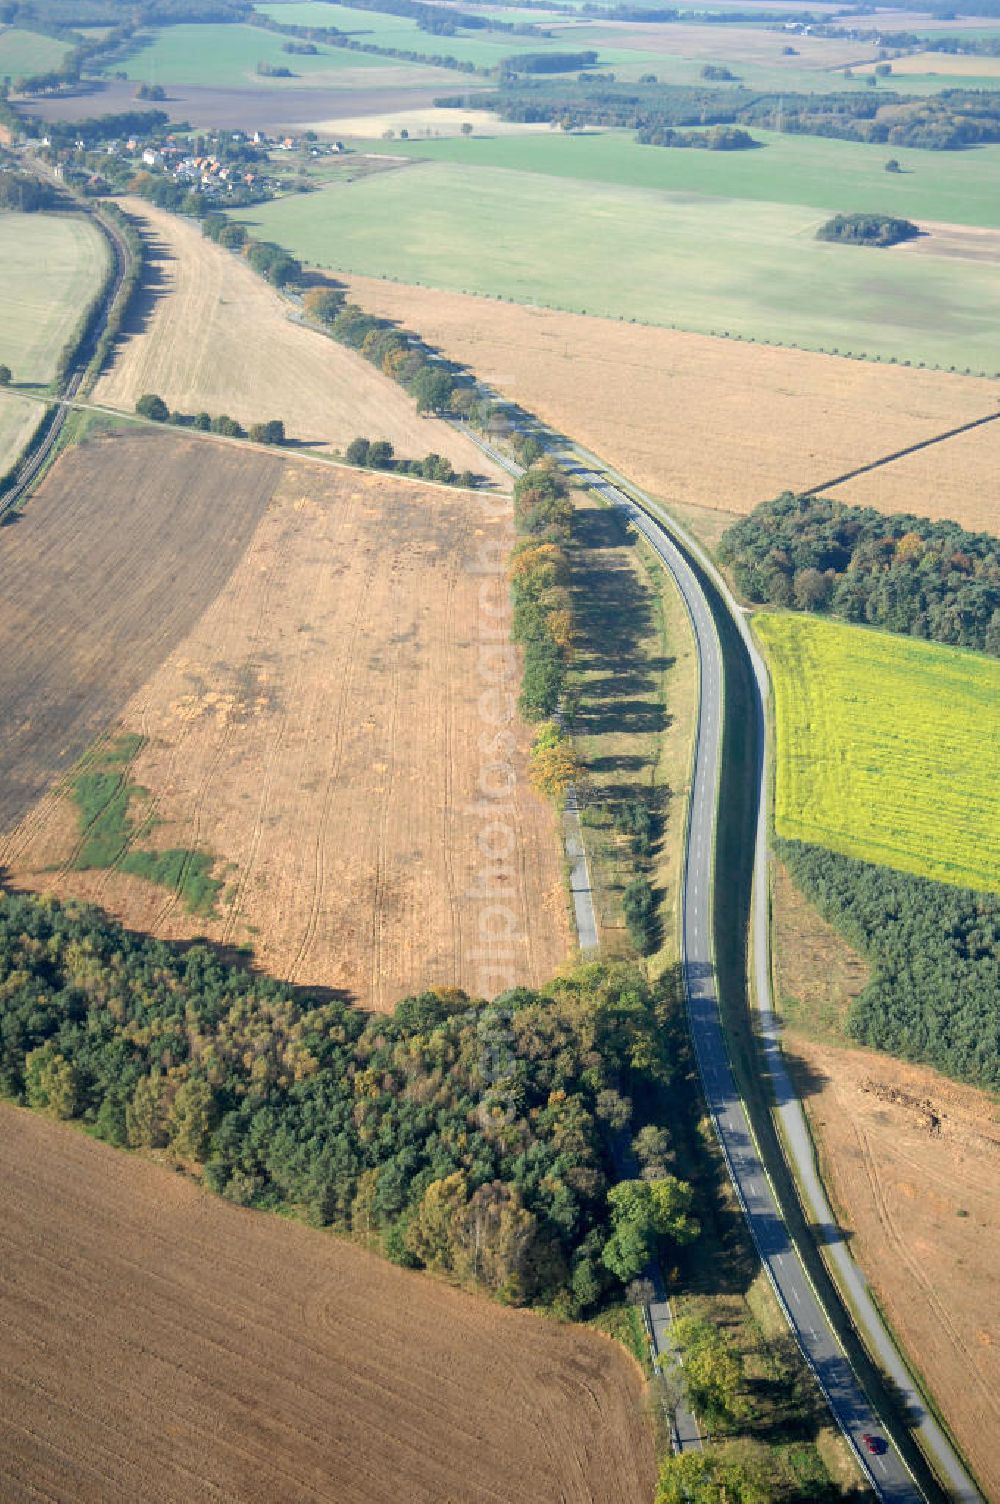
(161,1345)
(214,337)
(326,731)
(913,1163)
(718,423)
(122,548)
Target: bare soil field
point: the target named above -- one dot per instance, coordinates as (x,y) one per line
(912,1161)
(960,242)
(321,732)
(121,549)
(259,109)
(162,1345)
(719,424)
(215,337)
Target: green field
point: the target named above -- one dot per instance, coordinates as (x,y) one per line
(707,264)
(226,57)
(25,52)
(53,264)
(888,748)
(963,187)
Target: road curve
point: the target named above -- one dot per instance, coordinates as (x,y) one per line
(886,1470)
(855,1416)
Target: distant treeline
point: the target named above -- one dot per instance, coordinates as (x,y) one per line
(949,120)
(470,1138)
(909,574)
(934,995)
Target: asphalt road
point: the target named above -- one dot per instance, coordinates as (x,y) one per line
(885,1469)
(805,1314)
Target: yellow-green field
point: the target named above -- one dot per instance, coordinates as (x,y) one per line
(888,748)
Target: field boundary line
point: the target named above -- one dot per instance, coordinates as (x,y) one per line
(899,454)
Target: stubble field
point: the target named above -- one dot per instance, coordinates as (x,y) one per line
(913,1163)
(214,336)
(886,747)
(713,423)
(122,548)
(160,1344)
(320,733)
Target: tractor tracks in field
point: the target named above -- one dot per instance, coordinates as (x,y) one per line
(899,454)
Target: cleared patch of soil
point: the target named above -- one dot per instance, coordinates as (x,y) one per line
(160,1344)
(719,424)
(329,731)
(958,242)
(122,548)
(912,1161)
(213,336)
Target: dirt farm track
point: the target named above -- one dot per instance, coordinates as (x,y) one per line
(163,1347)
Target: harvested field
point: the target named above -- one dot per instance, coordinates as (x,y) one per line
(913,1163)
(716,423)
(122,548)
(321,732)
(215,337)
(161,1344)
(953,64)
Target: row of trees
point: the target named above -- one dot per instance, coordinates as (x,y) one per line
(539,578)
(469,1138)
(431,382)
(906,573)
(152,406)
(25,194)
(377,454)
(934,994)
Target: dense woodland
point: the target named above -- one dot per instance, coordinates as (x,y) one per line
(474,1139)
(934,995)
(909,574)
